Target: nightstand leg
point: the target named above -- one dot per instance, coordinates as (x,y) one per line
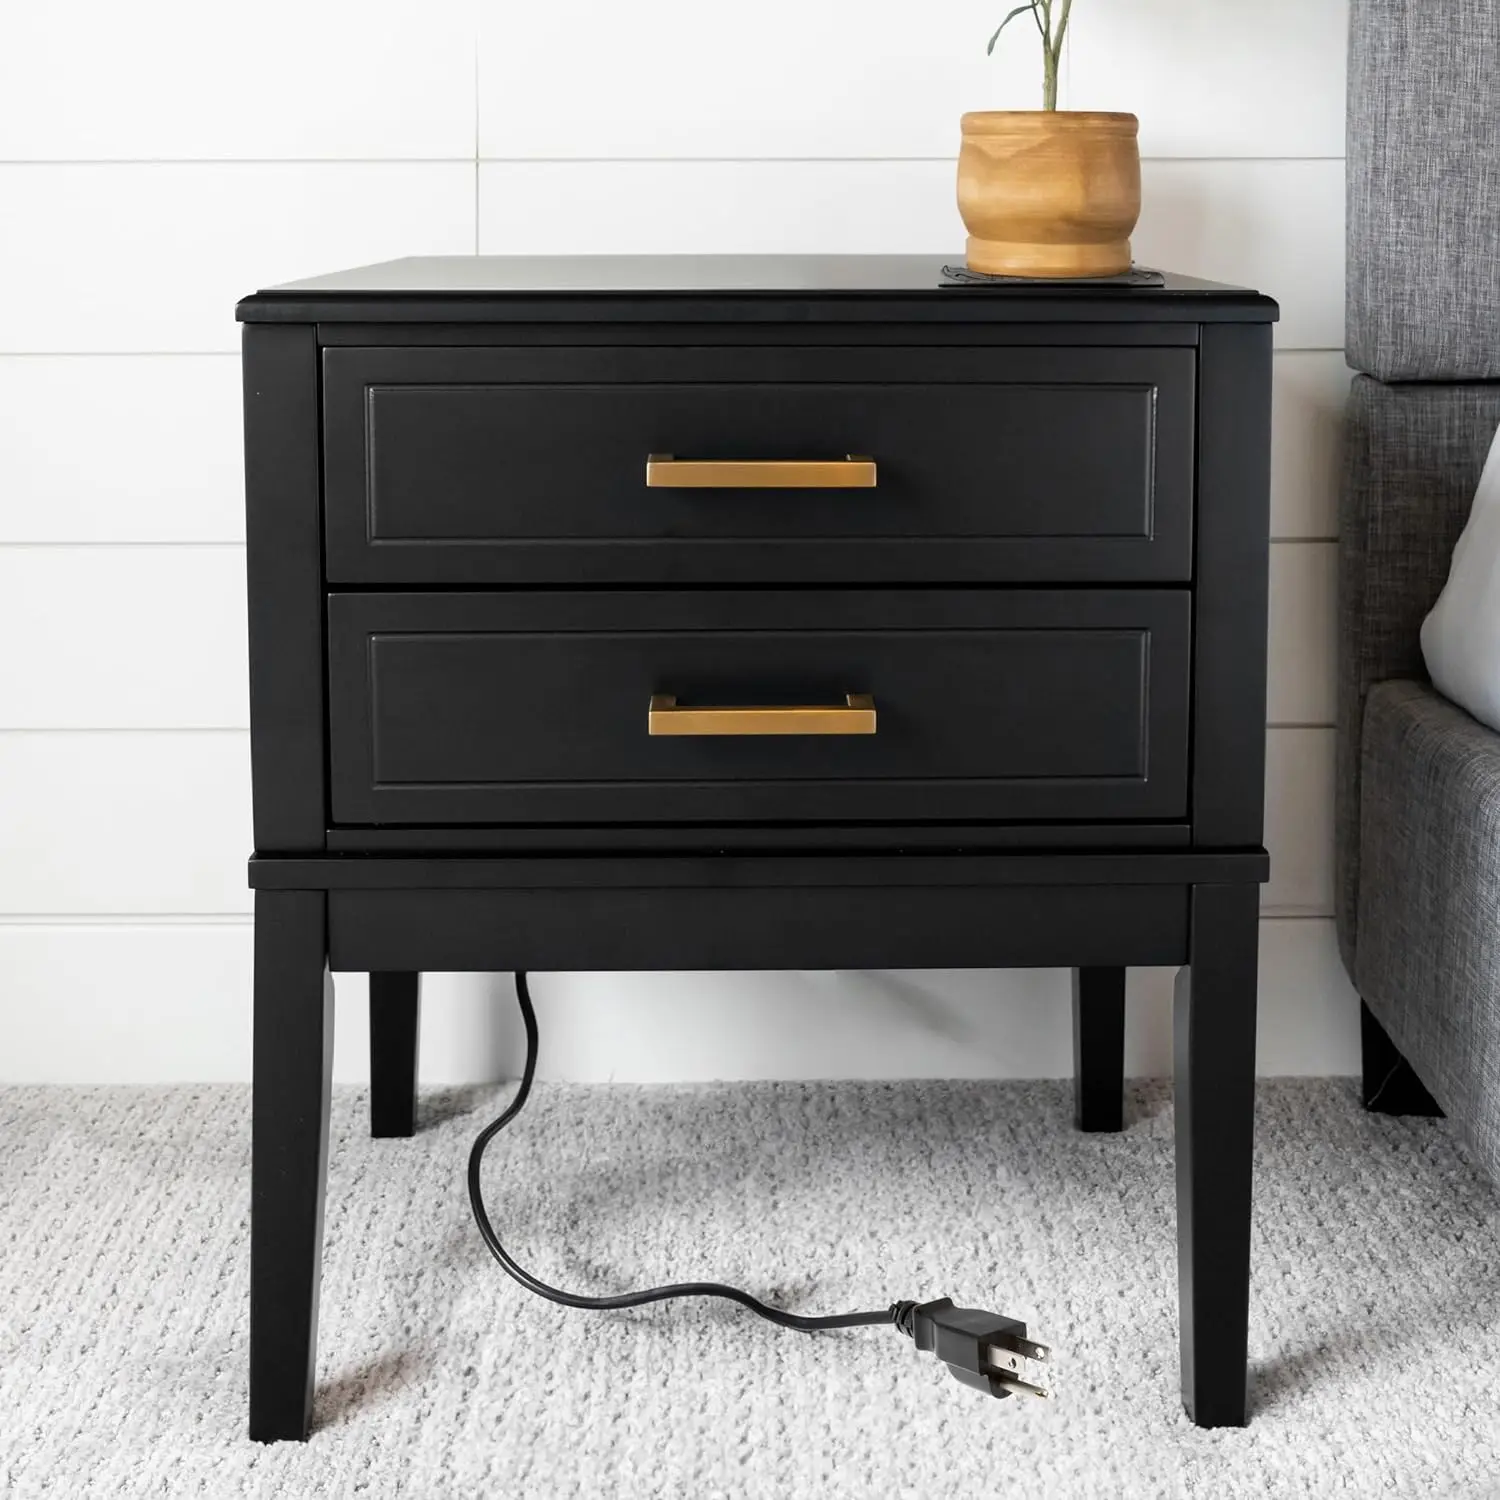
(289,1139)
(1098,1048)
(1214,1045)
(395,1009)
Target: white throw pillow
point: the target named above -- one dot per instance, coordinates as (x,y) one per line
(1461,637)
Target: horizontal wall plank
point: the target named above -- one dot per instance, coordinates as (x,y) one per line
(851,79)
(1309,1012)
(1303,627)
(121,448)
(1309,391)
(840,78)
(123,638)
(117,823)
(112,1002)
(152,259)
(1277,226)
(254,79)
(1216,79)
(1299,822)
(91,1002)
(126,1004)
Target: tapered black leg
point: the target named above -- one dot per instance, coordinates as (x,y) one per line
(1214,1046)
(1391,1086)
(395,1007)
(293,1059)
(1098,1048)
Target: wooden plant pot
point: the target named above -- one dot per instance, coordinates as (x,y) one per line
(1051,193)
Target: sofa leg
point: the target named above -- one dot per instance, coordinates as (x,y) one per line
(1390,1085)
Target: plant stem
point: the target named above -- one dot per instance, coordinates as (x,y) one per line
(1061,32)
(1051,51)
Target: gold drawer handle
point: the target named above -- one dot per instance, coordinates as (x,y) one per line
(856,715)
(665,472)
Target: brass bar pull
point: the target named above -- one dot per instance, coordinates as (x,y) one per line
(856,715)
(852,473)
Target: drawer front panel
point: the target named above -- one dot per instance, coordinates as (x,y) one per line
(523,465)
(1025,706)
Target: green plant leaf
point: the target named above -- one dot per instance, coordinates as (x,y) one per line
(1020,10)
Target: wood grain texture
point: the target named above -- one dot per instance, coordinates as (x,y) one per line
(1049,192)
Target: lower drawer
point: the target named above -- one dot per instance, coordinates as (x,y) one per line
(890,706)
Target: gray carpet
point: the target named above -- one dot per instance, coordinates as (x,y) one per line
(1375,1334)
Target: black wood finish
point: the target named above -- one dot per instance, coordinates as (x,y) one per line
(1055,593)
(529,465)
(1390,1085)
(293,1056)
(283,558)
(661,290)
(1099,1048)
(618,928)
(524,708)
(869,868)
(395,1022)
(571,332)
(1214,1064)
(783,838)
(1229,604)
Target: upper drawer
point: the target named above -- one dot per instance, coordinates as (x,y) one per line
(529,465)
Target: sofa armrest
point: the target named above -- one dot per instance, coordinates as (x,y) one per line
(1412,460)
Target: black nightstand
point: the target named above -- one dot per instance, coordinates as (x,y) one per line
(714,613)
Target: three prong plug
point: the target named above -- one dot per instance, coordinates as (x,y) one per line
(982,1349)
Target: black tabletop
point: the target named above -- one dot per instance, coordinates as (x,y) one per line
(485,284)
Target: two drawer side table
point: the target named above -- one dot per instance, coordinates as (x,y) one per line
(762,612)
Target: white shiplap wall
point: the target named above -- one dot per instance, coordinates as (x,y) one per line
(158,160)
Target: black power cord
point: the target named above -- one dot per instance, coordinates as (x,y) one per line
(981,1349)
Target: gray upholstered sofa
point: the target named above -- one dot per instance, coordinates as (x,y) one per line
(1418,779)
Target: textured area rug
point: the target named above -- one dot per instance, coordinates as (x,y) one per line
(1375,1319)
